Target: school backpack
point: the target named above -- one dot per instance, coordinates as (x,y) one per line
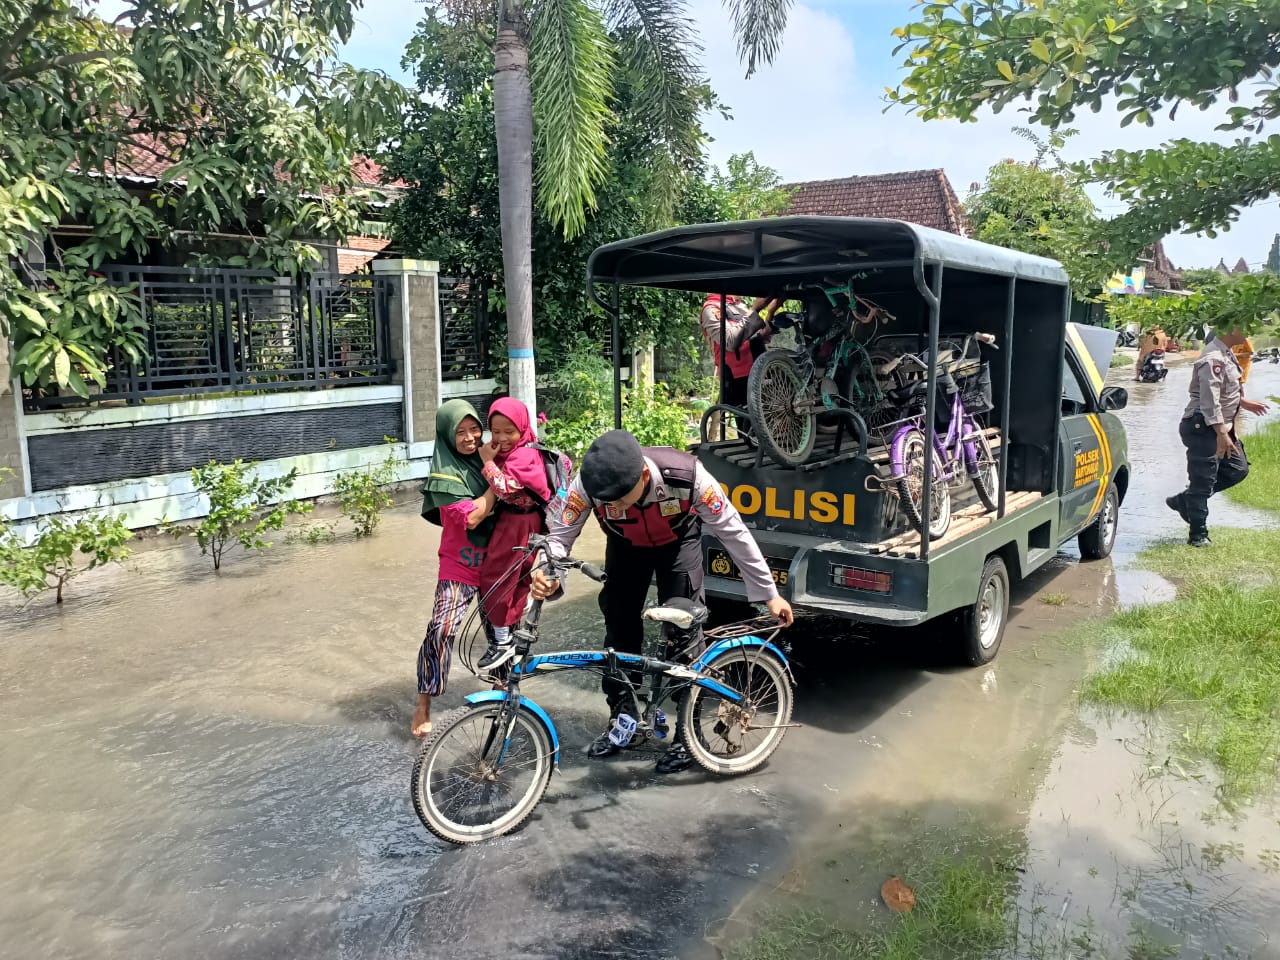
(559,472)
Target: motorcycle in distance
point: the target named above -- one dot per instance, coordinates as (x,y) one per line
(1270,353)
(1153,368)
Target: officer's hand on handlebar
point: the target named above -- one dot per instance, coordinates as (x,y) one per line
(782,610)
(542,586)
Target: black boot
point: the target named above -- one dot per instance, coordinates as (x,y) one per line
(1177,504)
(676,758)
(1200,538)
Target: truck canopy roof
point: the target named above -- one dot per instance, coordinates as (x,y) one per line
(736,256)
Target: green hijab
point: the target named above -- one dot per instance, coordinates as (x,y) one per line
(454,477)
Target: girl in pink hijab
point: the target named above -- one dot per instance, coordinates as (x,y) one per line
(518,478)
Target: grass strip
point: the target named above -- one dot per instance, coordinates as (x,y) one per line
(963,909)
(1210,659)
(1261,488)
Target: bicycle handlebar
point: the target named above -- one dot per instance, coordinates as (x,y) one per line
(538,542)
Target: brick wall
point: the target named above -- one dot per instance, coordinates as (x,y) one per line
(10,448)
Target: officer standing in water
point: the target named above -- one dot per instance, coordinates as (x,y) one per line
(651,503)
(1216,459)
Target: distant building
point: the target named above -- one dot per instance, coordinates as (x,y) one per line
(924,197)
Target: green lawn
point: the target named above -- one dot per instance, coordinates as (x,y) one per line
(1262,487)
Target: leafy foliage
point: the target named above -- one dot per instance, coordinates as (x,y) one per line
(50,562)
(243,507)
(449,153)
(1241,301)
(247,102)
(583,387)
(1143,56)
(363,494)
(1037,210)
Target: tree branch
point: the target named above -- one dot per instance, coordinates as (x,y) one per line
(66,60)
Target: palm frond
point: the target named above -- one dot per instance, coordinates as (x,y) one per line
(758,26)
(570,71)
(659,49)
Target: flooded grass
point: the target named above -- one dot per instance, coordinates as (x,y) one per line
(1210,659)
(963,907)
(1055,599)
(1262,488)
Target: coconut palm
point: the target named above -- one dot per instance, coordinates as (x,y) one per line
(554,64)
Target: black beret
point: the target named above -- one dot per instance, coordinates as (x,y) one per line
(612,466)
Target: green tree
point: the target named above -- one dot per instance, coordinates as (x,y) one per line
(1140,56)
(449,152)
(1202,278)
(1035,209)
(746,189)
(1244,301)
(555,69)
(245,98)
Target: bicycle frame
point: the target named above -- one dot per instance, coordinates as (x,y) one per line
(955,449)
(614,664)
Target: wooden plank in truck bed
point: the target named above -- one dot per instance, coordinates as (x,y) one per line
(963,522)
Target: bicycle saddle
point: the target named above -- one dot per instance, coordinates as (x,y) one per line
(900,395)
(679,612)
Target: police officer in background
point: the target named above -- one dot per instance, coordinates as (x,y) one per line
(1215,455)
(651,503)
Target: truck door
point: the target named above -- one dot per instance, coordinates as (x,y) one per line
(1081,461)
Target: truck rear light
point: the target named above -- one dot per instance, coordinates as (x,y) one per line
(860,578)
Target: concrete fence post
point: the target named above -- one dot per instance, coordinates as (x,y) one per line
(415,345)
(13,454)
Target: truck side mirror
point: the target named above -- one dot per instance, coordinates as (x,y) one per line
(1114,398)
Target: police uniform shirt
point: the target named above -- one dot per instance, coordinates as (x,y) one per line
(708,503)
(1215,385)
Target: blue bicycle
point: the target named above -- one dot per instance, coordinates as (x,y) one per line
(485,766)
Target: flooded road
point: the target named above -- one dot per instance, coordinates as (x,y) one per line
(217,766)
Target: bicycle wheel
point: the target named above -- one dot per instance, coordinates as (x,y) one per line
(731,738)
(774,388)
(911,488)
(984,471)
(460,793)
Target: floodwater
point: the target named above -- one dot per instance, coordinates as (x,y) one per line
(217,766)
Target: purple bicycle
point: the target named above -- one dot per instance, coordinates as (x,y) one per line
(965,443)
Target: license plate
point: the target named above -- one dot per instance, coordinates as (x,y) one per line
(720,564)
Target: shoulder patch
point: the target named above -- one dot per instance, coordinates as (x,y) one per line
(713,500)
(1216,368)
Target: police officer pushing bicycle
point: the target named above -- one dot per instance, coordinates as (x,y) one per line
(652,503)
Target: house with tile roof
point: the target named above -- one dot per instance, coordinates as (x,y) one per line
(925,197)
(141,171)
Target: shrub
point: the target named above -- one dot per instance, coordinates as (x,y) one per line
(242,507)
(50,562)
(363,495)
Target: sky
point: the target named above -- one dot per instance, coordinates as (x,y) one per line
(818,111)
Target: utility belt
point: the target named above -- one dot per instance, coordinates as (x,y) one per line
(1197,420)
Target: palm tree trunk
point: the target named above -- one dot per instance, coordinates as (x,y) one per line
(513,126)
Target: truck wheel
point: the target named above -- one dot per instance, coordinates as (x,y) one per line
(1099,537)
(982,624)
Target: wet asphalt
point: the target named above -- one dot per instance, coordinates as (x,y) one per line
(218,766)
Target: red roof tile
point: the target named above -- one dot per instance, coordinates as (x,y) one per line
(924,197)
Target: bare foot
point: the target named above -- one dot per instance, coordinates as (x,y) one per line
(422,716)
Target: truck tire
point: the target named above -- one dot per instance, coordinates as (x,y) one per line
(1097,539)
(982,624)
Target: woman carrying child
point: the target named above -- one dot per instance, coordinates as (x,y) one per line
(455,493)
(518,478)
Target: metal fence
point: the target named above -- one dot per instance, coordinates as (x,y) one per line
(245,331)
(464,328)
